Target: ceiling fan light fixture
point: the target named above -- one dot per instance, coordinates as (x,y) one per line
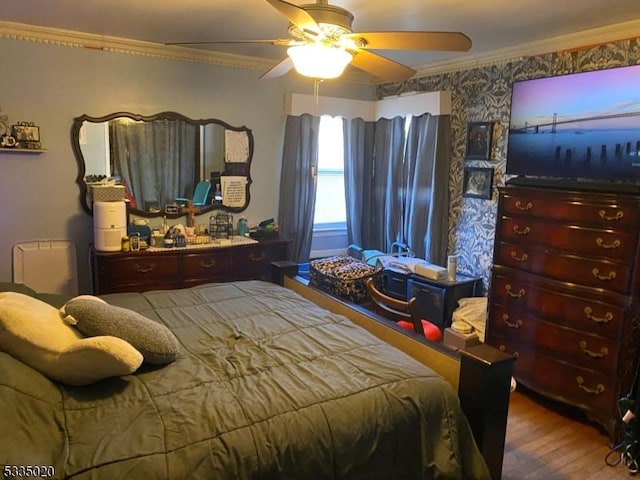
(319,61)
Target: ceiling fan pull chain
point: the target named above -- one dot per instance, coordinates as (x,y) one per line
(316,90)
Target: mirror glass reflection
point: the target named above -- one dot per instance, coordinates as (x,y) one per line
(164,161)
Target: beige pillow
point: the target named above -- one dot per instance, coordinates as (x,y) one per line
(34,332)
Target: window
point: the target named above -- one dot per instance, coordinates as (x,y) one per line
(330,212)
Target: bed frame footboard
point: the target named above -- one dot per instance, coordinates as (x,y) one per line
(481,374)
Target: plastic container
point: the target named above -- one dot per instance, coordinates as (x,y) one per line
(452,267)
(243,227)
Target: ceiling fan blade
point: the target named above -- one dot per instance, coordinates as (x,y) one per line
(297,16)
(279,69)
(408,40)
(381,67)
(278,42)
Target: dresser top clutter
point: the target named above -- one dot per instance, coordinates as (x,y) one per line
(564,293)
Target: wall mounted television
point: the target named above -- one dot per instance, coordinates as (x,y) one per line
(580,126)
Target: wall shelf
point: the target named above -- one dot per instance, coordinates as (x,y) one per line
(22,150)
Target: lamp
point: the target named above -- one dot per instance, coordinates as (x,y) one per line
(319,61)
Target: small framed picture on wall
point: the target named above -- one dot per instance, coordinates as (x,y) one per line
(479,138)
(477,182)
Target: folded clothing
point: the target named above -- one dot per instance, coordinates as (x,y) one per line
(472,311)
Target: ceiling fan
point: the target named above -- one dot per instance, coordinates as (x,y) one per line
(323,43)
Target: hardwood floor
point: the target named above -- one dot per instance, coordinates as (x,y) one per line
(549,441)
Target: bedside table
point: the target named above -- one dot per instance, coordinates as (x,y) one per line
(437,299)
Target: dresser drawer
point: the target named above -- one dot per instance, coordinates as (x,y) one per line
(614,244)
(565,267)
(137,273)
(556,341)
(253,263)
(140,268)
(593,209)
(212,265)
(570,383)
(583,309)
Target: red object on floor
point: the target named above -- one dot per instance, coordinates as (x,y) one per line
(431,332)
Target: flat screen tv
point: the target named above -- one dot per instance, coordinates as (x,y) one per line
(581,126)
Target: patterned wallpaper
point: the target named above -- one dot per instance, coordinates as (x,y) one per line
(483,94)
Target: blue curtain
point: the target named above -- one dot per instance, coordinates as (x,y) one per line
(388,182)
(427,160)
(397,186)
(358,176)
(373,181)
(298,183)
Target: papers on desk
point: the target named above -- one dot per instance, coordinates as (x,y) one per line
(413,265)
(407,264)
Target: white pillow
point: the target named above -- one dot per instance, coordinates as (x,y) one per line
(34,332)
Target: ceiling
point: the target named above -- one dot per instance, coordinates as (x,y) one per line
(492,25)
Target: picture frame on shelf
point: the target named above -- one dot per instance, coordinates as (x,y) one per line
(479,140)
(26,135)
(477,182)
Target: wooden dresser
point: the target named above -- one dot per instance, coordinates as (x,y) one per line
(184,267)
(564,294)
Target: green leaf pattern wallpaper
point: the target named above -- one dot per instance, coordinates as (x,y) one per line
(483,94)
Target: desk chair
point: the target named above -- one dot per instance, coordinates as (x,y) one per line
(200,194)
(404,313)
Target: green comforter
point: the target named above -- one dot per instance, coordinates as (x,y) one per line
(267,386)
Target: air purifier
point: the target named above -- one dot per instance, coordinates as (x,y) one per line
(109,225)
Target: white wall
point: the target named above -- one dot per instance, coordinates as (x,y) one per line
(50,85)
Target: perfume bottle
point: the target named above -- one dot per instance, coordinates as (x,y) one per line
(217,195)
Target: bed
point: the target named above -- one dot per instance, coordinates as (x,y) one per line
(267,385)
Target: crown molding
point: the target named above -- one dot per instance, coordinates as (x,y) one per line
(105,43)
(70,38)
(583,39)
(74,39)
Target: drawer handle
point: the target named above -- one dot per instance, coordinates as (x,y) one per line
(520,293)
(604,351)
(210,264)
(524,231)
(616,217)
(522,258)
(522,207)
(596,273)
(517,324)
(597,391)
(515,354)
(140,269)
(601,244)
(588,311)
(257,258)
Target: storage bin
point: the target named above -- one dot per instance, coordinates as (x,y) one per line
(342,276)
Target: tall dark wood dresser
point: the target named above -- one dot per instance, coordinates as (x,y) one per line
(564,293)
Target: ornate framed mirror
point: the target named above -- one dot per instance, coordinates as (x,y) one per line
(164,160)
